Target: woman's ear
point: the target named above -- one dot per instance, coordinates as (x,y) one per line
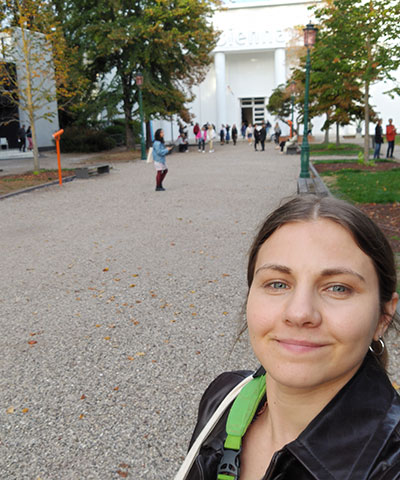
(386,317)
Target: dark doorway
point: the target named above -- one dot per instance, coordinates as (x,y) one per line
(8,108)
(247,115)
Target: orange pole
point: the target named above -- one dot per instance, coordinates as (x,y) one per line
(57,136)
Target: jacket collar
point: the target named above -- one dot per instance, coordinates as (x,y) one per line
(345,439)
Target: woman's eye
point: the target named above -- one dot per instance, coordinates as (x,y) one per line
(277,285)
(338,289)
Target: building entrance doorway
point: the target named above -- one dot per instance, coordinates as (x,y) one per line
(253,110)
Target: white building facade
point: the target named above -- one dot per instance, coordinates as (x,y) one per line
(251,59)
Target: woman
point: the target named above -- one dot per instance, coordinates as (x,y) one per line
(211,136)
(234,134)
(159,152)
(249,134)
(29,137)
(322,281)
(277,134)
(378,139)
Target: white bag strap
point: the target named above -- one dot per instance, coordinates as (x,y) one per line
(194,451)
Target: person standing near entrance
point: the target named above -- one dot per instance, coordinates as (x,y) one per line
(256,135)
(378,139)
(234,133)
(211,136)
(159,152)
(249,134)
(390,137)
(22,138)
(263,136)
(29,137)
(243,130)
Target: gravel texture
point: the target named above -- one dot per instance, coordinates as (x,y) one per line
(133,298)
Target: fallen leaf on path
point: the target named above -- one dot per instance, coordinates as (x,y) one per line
(105,269)
(122,474)
(25,410)
(131,358)
(83,397)
(10,410)
(32,342)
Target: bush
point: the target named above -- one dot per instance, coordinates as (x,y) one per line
(78,139)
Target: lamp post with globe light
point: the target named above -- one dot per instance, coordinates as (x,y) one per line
(139,83)
(310,34)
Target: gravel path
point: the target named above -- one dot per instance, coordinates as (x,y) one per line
(118,306)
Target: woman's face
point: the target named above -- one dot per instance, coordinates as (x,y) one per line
(313,307)
(162,134)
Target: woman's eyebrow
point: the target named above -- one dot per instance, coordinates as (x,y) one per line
(328,272)
(274,266)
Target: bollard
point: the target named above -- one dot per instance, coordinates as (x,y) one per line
(56,137)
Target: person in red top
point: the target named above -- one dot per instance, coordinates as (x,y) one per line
(390,137)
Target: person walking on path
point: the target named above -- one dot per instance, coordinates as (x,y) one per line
(378,139)
(22,138)
(159,152)
(256,134)
(29,137)
(202,138)
(211,136)
(234,134)
(227,134)
(390,137)
(249,134)
(243,130)
(277,134)
(263,136)
(222,135)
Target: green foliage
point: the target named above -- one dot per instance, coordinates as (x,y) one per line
(77,139)
(168,41)
(279,103)
(358,46)
(367,187)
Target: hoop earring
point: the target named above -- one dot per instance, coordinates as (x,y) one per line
(380,352)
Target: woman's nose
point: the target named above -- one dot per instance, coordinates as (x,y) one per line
(302,308)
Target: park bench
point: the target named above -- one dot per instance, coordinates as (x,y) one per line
(90,170)
(293,149)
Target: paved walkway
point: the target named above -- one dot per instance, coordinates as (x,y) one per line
(118,306)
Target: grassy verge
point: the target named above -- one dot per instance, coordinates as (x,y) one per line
(348,160)
(12,183)
(317,149)
(366,187)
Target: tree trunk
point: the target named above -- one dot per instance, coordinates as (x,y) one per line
(128,105)
(326,138)
(366,118)
(337,134)
(148,135)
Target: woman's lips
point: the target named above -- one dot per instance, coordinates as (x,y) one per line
(300,345)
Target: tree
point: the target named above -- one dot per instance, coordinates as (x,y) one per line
(34,62)
(279,103)
(169,41)
(363,42)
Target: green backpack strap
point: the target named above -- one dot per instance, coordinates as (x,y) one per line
(242,412)
(240,416)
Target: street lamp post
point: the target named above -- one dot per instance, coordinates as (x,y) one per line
(139,83)
(292,88)
(310,33)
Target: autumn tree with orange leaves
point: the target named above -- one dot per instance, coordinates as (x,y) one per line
(35,62)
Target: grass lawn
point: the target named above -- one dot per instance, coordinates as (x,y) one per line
(317,149)
(366,187)
(349,160)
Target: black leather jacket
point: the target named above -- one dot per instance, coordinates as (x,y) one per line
(355,437)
